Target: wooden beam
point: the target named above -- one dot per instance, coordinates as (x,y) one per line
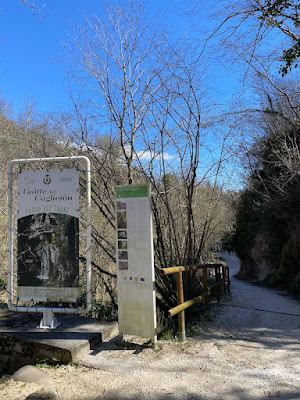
(186,304)
(174,270)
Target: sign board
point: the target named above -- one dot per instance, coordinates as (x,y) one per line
(135,261)
(48,235)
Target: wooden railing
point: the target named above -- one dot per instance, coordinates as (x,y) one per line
(222,284)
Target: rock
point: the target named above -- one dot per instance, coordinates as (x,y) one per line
(257,263)
(32,374)
(43,394)
(221,344)
(274,394)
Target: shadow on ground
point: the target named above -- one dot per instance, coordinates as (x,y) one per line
(234,394)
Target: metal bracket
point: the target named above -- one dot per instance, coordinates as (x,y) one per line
(49,321)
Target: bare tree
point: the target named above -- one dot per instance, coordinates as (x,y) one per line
(258,27)
(38,8)
(277,148)
(142,116)
(119,62)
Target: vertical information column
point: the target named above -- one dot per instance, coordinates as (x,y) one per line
(135,261)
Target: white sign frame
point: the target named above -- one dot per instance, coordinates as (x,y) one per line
(88,264)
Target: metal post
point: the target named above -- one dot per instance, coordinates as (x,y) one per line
(10,287)
(88,236)
(154,343)
(180,300)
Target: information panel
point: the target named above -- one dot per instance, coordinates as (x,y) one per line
(135,261)
(48,240)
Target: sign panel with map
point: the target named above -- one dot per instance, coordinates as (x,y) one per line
(48,240)
(135,261)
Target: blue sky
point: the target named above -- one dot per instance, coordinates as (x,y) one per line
(30,46)
(30,50)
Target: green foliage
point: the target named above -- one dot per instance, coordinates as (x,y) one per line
(4,379)
(166,334)
(42,364)
(10,144)
(47,362)
(169,329)
(288,273)
(194,330)
(289,57)
(284,14)
(102,312)
(248,221)
(295,285)
(3,305)
(276,7)
(228,241)
(3,284)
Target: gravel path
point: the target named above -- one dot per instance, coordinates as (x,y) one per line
(254,310)
(250,350)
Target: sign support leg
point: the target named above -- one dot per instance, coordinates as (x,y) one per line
(49,321)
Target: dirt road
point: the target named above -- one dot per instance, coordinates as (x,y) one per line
(250,350)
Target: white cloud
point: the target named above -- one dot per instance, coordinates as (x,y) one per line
(149,155)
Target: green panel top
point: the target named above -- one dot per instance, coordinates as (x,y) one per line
(123,192)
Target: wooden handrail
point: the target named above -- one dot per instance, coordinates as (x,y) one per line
(182,305)
(174,270)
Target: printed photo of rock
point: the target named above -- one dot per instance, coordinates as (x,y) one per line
(123,265)
(122,244)
(122,255)
(122,234)
(48,248)
(121,220)
(121,206)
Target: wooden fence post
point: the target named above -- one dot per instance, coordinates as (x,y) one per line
(224,277)
(228,279)
(205,287)
(217,275)
(180,300)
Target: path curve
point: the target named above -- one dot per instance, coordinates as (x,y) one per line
(259,307)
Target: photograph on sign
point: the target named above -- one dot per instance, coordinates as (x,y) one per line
(122,234)
(121,220)
(123,265)
(121,205)
(47,245)
(48,235)
(123,255)
(122,244)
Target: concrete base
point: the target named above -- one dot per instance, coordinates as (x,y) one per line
(23,343)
